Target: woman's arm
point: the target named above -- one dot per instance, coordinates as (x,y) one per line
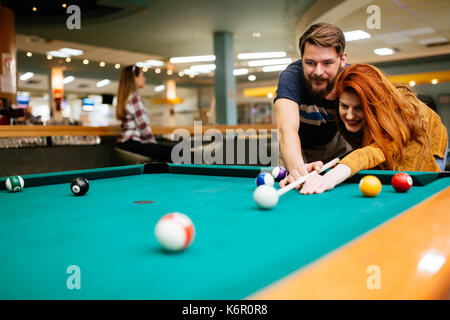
(364,158)
(360,159)
(319,184)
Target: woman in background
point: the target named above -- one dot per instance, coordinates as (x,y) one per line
(136,133)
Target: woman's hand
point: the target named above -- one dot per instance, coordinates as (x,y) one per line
(296,174)
(317,184)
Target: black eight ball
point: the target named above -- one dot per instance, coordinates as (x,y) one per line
(79,186)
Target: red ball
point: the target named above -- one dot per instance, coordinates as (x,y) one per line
(402,182)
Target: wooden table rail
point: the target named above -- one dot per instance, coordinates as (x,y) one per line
(48,131)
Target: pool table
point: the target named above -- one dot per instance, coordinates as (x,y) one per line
(326,246)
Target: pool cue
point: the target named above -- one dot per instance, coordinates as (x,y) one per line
(301,180)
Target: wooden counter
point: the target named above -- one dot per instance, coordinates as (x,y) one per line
(48,131)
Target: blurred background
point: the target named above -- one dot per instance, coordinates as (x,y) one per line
(64,57)
(411,44)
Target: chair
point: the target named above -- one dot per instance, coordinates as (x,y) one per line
(130,158)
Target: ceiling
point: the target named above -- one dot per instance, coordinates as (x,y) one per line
(125,32)
(168,28)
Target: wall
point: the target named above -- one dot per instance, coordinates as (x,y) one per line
(430,64)
(434,90)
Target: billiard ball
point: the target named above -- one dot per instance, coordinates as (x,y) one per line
(279,173)
(79,186)
(370,186)
(401,182)
(264,178)
(265,197)
(175,231)
(14,183)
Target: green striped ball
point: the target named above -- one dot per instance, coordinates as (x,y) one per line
(14,183)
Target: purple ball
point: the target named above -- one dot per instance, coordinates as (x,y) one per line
(279,173)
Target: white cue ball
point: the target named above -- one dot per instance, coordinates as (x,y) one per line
(266,197)
(175,231)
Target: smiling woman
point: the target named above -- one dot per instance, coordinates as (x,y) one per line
(375,112)
(351,112)
(389,127)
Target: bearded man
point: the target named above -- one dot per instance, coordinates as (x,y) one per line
(306,101)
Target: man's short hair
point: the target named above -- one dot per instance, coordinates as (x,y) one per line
(325,35)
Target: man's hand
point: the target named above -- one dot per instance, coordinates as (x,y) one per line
(296,174)
(316,166)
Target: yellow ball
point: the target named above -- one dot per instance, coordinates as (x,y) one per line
(370,186)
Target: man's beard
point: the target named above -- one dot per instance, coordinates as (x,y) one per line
(321,93)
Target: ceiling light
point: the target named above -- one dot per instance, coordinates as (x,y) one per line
(412,83)
(434,81)
(169,72)
(145,69)
(190,72)
(256,35)
(85,61)
(58,54)
(191,75)
(26,76)
(181,73)
(193,59)
(149,64)
(270,95)
(72,52)
(68,79)
(270,62)
(261,55)
(49,57)
(251,77)
(204,68)
(239,72)
(160,88)
(103,83)
(384,51)
(29,54)
(154,63)
(34,9)
(68,59)
(102,64)
(117,66)
(274,68)
(356,35)
(157,70)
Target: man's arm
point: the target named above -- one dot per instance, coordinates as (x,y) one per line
(288,124)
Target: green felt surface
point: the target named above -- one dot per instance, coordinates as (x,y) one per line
(238,249)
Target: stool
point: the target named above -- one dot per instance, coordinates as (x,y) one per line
(131,158)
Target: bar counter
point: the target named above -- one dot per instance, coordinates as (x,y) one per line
(46,131)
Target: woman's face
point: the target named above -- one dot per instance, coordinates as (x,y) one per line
(140,80)
(351,111)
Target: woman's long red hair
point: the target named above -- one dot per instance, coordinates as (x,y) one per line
(393,114)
